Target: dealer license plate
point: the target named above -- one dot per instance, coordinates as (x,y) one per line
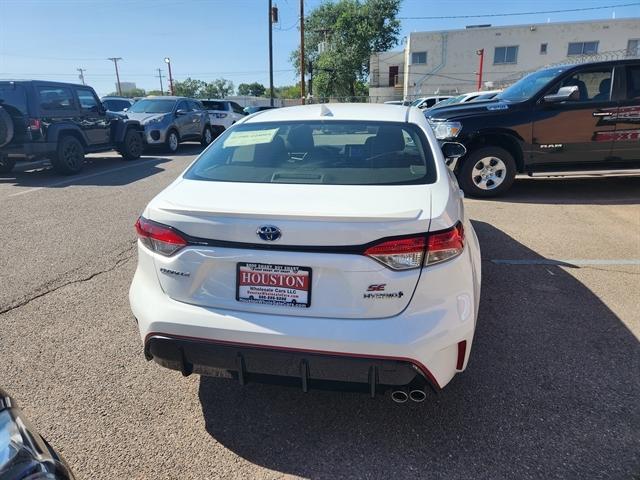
(266,284)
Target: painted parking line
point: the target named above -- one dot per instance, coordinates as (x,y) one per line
(570,261)
(75,179)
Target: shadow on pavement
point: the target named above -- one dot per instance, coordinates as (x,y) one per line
(612,190)
(98,171)
(551,391)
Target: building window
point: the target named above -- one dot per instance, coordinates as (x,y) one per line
(505,55)
(633,48)
(543,49)
(418,58)
(582,48)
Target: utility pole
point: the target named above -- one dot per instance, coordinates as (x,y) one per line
(302,62)
(271,15)
(160,77)
(81,76)
(481,54)
(115,62)
(167,60)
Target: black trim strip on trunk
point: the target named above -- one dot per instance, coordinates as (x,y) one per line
(343,249)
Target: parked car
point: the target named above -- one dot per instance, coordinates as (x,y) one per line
(253,109)
(292,251)
(117,104)
(566,120)
(428,102)
(403,103)
(223,114)
(24,454)
(170,120)
(62,122)
(464,98)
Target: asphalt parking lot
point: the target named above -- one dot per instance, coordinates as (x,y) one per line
(552,389)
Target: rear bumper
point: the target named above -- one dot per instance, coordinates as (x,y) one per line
(289,366)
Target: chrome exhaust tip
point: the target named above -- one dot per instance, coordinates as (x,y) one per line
(418,395)
(399,396)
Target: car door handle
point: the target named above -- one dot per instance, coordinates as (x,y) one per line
(602,114)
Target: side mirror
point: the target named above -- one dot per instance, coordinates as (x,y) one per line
(180,112)
(563,94)
(452,151)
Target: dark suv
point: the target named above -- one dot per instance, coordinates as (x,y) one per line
(566,120)
(60,121)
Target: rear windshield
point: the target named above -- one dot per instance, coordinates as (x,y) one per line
(115,105)
(152,106)
(13,97)
(330,152)
(212,105)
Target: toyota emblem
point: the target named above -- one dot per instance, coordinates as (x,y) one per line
(269,233)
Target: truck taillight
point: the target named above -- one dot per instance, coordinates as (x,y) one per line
(159,238)
(34,124)
(445,245)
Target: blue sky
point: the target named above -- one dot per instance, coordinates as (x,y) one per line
(205,39)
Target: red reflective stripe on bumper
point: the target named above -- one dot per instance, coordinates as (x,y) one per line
(462,350)
(424,370)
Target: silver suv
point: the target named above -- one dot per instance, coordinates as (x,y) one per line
(171,120)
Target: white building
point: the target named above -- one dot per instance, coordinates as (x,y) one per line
(448,61)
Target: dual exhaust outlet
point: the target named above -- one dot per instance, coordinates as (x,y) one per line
(403,396)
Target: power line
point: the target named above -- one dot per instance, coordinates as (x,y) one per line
(568,10)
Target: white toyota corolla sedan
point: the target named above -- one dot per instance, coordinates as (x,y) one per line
(318,246)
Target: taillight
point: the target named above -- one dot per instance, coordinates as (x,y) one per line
(408,253)
(159,238)
(400,254)
(34,124)
(445,245)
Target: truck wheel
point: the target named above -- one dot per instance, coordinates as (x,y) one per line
(207,137)
(6,163)
(132,145)
(173,141)
(69,158)
(487,172)
(6,127)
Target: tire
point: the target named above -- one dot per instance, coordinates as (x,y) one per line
(487,172)
(207,137)
(6,127)
(132,145)
(171,144)
(69,158)
(6,163)
(217,131)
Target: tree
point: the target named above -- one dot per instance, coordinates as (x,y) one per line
(254,89)
(224,87)
(156,93)
(189,87)
(288,91)
(136,92)
(340,37)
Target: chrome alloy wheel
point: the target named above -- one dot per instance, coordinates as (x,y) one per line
(488,173)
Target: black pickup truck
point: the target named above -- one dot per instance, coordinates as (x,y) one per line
(566,120)
(62,122)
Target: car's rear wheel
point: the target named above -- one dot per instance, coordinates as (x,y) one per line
(6,127)
(487,172)
(173,141)
(207,136)
(132,145)
(69,157)
(6,163)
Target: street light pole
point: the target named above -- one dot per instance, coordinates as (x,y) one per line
(481,54)
(270,53)
(115,62)
(167,60)
(302,62)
